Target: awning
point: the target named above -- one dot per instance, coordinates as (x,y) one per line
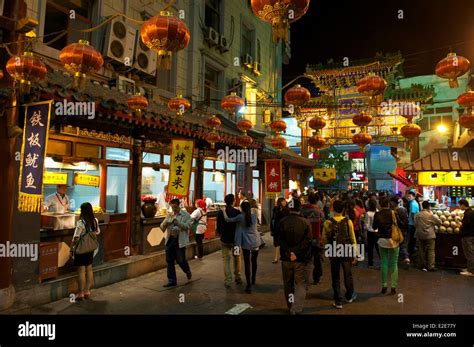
(447,159)
(403,180)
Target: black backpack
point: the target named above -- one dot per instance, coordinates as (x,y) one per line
(340,232)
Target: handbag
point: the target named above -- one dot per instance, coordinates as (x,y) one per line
(396,235)
(195,224)
(87,242)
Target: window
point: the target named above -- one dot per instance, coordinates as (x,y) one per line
(120,154)
(211,86)
(256,184)
(150,158)
(58,18)
(247,39)
(212,17)
(117,185)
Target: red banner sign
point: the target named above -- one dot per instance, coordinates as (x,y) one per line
(273,177)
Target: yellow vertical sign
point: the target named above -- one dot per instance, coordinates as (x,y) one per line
(180,167)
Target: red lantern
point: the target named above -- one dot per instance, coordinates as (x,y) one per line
(244,125)
(317,123)
(137,103)
(317,141)
(213,122)
(410,131)
(467,121)
(362,139)
(371,85)
(452,67)
(362,120)
(179,105)
(244,141)
(80,59)
(165,34)
(26,69)
(466,100)
(1,74)
(278,126)
(212,138)
(297,95)
(232,103)
(278,142)
(280,13)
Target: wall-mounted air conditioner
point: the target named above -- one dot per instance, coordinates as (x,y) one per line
(211,36)
(224,44)
(145,58)
(120,42)
(125,85)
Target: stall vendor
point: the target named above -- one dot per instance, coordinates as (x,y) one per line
(58,202)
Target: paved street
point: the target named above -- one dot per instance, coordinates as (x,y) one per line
(443,292)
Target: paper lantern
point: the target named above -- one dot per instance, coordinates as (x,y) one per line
(26,69)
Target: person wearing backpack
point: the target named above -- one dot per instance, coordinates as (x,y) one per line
(337,231)
(199,226)
(389,249)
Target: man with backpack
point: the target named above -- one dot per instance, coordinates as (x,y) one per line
(341,247)
(315,217)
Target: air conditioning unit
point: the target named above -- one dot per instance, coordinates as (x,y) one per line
(247,61)
(125,85)
(257,69)
(145,59)
(224,44)
(120,42)
(211,36)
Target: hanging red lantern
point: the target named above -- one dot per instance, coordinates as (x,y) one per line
(278,142)
(362,119)
(466,100)
(232,103)
(1,74)
(214,122)
(280,13)
(165,34)
(317,123)
(137,103)
(371,85)
(179,105)
(467,121)
(244,141)
(80,59)
(452,67)
(410,131)
(244,125)
(26,69)
(213,137)
(297,95)
(362,139)
(278,126)
(317,141)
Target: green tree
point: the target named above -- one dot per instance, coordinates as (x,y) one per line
(332,158)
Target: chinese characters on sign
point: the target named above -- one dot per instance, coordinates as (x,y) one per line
(86,180)
(55,178)
(273,177)
(325,176)
(35,138)
(180,167)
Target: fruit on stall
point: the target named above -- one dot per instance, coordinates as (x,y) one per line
(451,221)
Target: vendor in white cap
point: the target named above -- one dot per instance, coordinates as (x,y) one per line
(59,201)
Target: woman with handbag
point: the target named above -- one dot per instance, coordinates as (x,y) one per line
(199,226)
(384,220)
(84,244)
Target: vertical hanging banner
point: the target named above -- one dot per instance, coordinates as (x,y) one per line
(273,177)
(180,167)
(33,151)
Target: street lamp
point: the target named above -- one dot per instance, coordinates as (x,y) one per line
(442,129)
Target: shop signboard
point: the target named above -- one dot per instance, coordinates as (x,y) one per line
(180,167)
(273,177)
(357,176)
(82,179)
(55,177)
(451,178)
(325,176)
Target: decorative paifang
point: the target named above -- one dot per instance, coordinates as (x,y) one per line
(165,34)
(452,67)
(26,69)
(80,59)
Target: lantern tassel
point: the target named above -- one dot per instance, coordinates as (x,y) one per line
(280,29)
(79,81)
(25,87)
(165,59)
(453,83)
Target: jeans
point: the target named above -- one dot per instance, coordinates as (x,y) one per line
(294,282)
(468,248)
(250,274)
(426,253)
(200,247)
(317,264)
(371,243)
(411,240)
(227,254)
(174,253)
(346,264)
(389,261)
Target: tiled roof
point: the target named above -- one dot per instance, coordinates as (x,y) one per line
(444,160)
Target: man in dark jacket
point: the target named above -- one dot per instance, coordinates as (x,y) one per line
(227,234)
(295,251)
(467,236)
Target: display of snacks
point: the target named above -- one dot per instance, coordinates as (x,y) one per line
(451,221)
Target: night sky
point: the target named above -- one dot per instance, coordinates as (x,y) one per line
(358,29)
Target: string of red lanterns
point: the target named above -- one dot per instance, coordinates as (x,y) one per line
(213,137)
(466,100)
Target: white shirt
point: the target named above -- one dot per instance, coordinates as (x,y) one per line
(81,228)
(369,221)
(202,226)
(56,203)
(208,202)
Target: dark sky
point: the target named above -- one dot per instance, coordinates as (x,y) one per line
(358,29)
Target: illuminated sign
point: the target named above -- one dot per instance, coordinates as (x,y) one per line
(357,176)
(452,178)
(86,180)
(55,177)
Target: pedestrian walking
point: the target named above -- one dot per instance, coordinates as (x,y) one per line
(401,215)
(279,211)
(467,236)
(295,234)
(413,209)
(176,224)
(425,223)
(199,226)
(372,235)
(230,252)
